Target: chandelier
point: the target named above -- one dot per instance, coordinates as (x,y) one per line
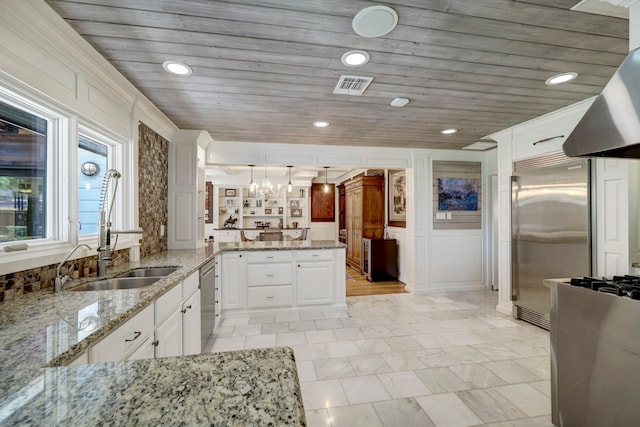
(266,190)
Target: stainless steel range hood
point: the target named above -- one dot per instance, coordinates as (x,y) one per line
(611,126)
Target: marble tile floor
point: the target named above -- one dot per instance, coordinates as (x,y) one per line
(443,360)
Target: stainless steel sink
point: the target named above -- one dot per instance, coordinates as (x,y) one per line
(150,272)
(116,283)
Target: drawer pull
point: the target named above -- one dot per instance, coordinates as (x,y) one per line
(270,257)
(315,255)
(136,335)
(271,297)
(270,275)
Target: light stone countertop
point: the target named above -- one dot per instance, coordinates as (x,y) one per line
(239,388)
(41,329)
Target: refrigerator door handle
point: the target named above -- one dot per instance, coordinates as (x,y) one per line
(515,187)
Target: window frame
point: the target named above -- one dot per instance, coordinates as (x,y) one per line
(63,130)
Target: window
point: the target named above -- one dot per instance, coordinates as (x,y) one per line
(92,165)
(23,175)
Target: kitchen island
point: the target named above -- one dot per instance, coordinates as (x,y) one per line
(239,388)
(41,332)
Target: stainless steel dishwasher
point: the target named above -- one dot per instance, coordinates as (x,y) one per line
(207,300)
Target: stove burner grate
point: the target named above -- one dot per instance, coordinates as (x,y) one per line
(623,286)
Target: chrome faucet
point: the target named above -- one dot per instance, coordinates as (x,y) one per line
(104,222)
(60,281)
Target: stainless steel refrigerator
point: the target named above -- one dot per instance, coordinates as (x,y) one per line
(550,227)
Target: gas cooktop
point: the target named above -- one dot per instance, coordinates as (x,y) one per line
(623,286)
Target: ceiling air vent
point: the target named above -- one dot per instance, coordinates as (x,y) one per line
(352,85)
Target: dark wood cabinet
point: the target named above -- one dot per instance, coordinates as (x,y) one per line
(322,203)
(364,214)
(379,259)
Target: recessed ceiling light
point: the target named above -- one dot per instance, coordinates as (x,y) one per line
(374,21)
(321,124)
(561,78)
(178,68)
(399,102)
(355,58)
(448,131)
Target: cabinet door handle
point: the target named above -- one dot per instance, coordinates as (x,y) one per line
(189,306)
(298,265)
(136,335)
(184,311)
(155,343)
(217,302)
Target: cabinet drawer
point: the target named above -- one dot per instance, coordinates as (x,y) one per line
(124,340)
(314,255)
(190,285)
(269,274)
(168,303)
(268,256)
(270,296)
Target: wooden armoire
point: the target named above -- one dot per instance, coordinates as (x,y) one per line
(364,199)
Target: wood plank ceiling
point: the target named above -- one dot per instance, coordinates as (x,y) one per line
(265,70)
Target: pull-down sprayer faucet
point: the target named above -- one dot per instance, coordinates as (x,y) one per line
(104,221)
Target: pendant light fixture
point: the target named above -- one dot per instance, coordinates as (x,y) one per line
(252,183)
(289,186)
(326,184)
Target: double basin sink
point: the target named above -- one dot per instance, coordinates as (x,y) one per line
(133,279)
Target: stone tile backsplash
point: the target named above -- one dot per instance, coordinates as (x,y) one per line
(153,170)
(22,282)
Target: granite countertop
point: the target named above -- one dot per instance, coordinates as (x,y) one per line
(44,330)
(280,245)
(238,388)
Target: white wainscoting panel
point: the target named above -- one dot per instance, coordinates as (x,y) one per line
(456,260)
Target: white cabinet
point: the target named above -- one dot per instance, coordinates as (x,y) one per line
(178,319)
(186,189)
(120,343)
(218,294)
(234,286)
(269,279)
(168,327)
(191,325)
(169,336)
(168,321)
(257,281)
(314,280)
(146,350)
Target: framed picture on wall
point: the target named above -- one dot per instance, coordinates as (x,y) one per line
(397,198)
(296,212)
(230,192)
(268,211)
